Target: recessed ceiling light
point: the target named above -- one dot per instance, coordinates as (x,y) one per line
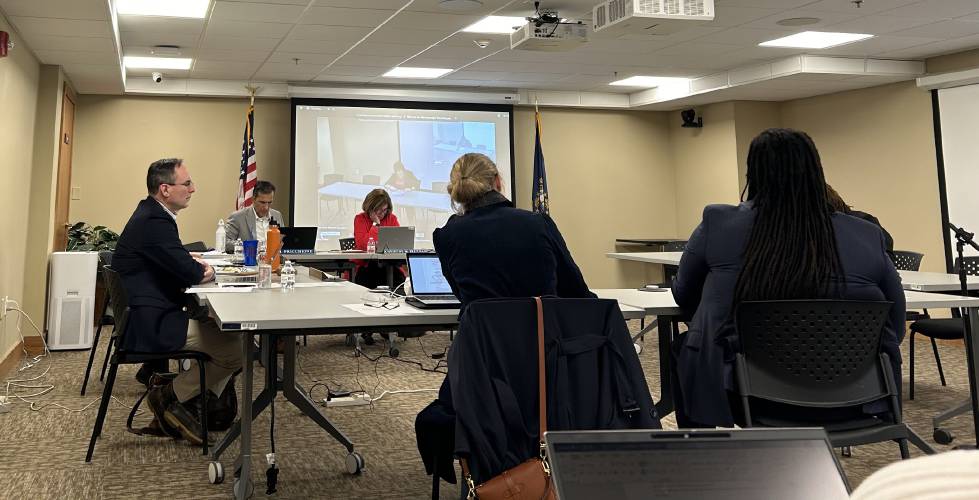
(815,40)
(500,25)
(169,8)
(409,72)
(459,5)
(649,81)
(134,62)
(798,21)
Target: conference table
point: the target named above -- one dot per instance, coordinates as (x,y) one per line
(313,308)
(662,305)
(665,258)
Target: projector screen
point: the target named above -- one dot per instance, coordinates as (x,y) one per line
(957,123)
(343,149)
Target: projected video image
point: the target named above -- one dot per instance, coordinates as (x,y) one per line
(344,153)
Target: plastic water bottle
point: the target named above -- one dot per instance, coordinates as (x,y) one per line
(264,274)
(371,245)
(287,277)
(239,256)
(219,237)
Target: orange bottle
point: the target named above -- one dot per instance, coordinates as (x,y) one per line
(273,248)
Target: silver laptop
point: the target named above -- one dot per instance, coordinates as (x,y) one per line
(429,288)
(730,464)
(395,239)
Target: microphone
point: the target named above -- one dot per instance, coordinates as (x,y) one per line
(963,235)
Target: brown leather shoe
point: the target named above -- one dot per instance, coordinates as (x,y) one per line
(183,418)
(158,399)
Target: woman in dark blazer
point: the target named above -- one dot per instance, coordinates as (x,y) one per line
(783,242)
(491,249)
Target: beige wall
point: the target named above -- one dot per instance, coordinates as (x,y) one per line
(19,75)
(704,163)
(750,119)
(116,138)
(878,150)
(609,176)
(953,62)
(44,176)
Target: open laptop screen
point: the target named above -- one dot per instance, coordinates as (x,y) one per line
(425,271)
(697,468)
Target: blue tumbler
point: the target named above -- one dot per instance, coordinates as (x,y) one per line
(251,252)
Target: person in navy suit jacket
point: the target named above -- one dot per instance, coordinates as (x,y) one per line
(491,249)
(155,269)
(784,242)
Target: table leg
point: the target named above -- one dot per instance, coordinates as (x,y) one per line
(972,357)
(297,396)
(245,451)
(665,340)
(261,402)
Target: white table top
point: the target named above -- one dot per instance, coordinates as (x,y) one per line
(327,255)
(935,282)
(662,303)
(667,258)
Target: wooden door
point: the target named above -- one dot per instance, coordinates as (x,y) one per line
(63,192)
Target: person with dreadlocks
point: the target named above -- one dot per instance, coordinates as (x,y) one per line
(784,241)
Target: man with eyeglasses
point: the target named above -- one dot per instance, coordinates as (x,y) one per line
(252,223)
(155,269)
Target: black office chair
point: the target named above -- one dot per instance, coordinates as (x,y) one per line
(347,244)
(906,261)
(819,354)
(122,356)
(105,259)
(197,246)
(940,328)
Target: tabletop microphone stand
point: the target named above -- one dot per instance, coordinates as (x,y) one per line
(963,238)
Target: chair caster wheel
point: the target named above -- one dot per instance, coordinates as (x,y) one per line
(215,473)
(942,436)
(184,365)
(393,352)
(355,463)
(243,489)
(638,348)
(846,451)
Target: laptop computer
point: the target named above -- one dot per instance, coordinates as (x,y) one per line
(395,239)
(298,240)
(795,463)
(429,288)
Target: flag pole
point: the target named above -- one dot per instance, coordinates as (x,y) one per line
(252,90)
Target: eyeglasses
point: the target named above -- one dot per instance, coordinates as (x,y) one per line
(184,184)
(386,305)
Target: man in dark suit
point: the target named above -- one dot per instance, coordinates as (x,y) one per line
(155,269)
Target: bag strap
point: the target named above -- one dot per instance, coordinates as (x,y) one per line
(541,378)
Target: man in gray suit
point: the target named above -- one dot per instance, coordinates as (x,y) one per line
(241,224)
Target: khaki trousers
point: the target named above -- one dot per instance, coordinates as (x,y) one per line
(225,351)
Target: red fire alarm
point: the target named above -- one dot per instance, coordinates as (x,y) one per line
(4,40)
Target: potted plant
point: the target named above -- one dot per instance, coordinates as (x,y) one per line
(85,238)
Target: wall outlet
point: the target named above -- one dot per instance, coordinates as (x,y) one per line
(354,400)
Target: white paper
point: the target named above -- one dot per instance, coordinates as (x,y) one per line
(214,253)
(401,310)
(217,289)
(219,262)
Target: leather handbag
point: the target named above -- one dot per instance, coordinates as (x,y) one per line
(530,480)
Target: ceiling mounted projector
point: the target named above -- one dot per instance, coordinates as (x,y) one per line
(614,18)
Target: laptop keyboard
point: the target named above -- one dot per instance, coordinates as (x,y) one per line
(437,298)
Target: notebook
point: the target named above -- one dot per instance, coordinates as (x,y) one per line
(395,239)
(430,290)
(298,240)
(732,464)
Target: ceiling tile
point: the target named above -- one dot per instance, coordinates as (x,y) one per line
(377,61)
(942,29)
(426,21)
(65,9)
(463,39)
(486,8)
(341,79)
(937,48)
(877,46)
(867,8)
(45,26)
(726,15)
(389,34)
(745,36)
(768,4)
(696,49)
(362,71)
(248,29)
(937,9)
(237,42)
(257,12)
(878,24)
(233,55)
(87,44)
(280,2)
(63,57)
(304,57)
(825,19)
(314,46)
(424,61)
(618,46)
(364,4)
(224,70)
(340,16)
(386,49)
(332,33)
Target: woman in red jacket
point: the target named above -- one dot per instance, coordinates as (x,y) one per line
(377,212)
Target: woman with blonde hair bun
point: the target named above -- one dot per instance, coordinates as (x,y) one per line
(490,249)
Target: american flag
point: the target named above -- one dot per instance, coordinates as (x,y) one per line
(539,198)
(248,175)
